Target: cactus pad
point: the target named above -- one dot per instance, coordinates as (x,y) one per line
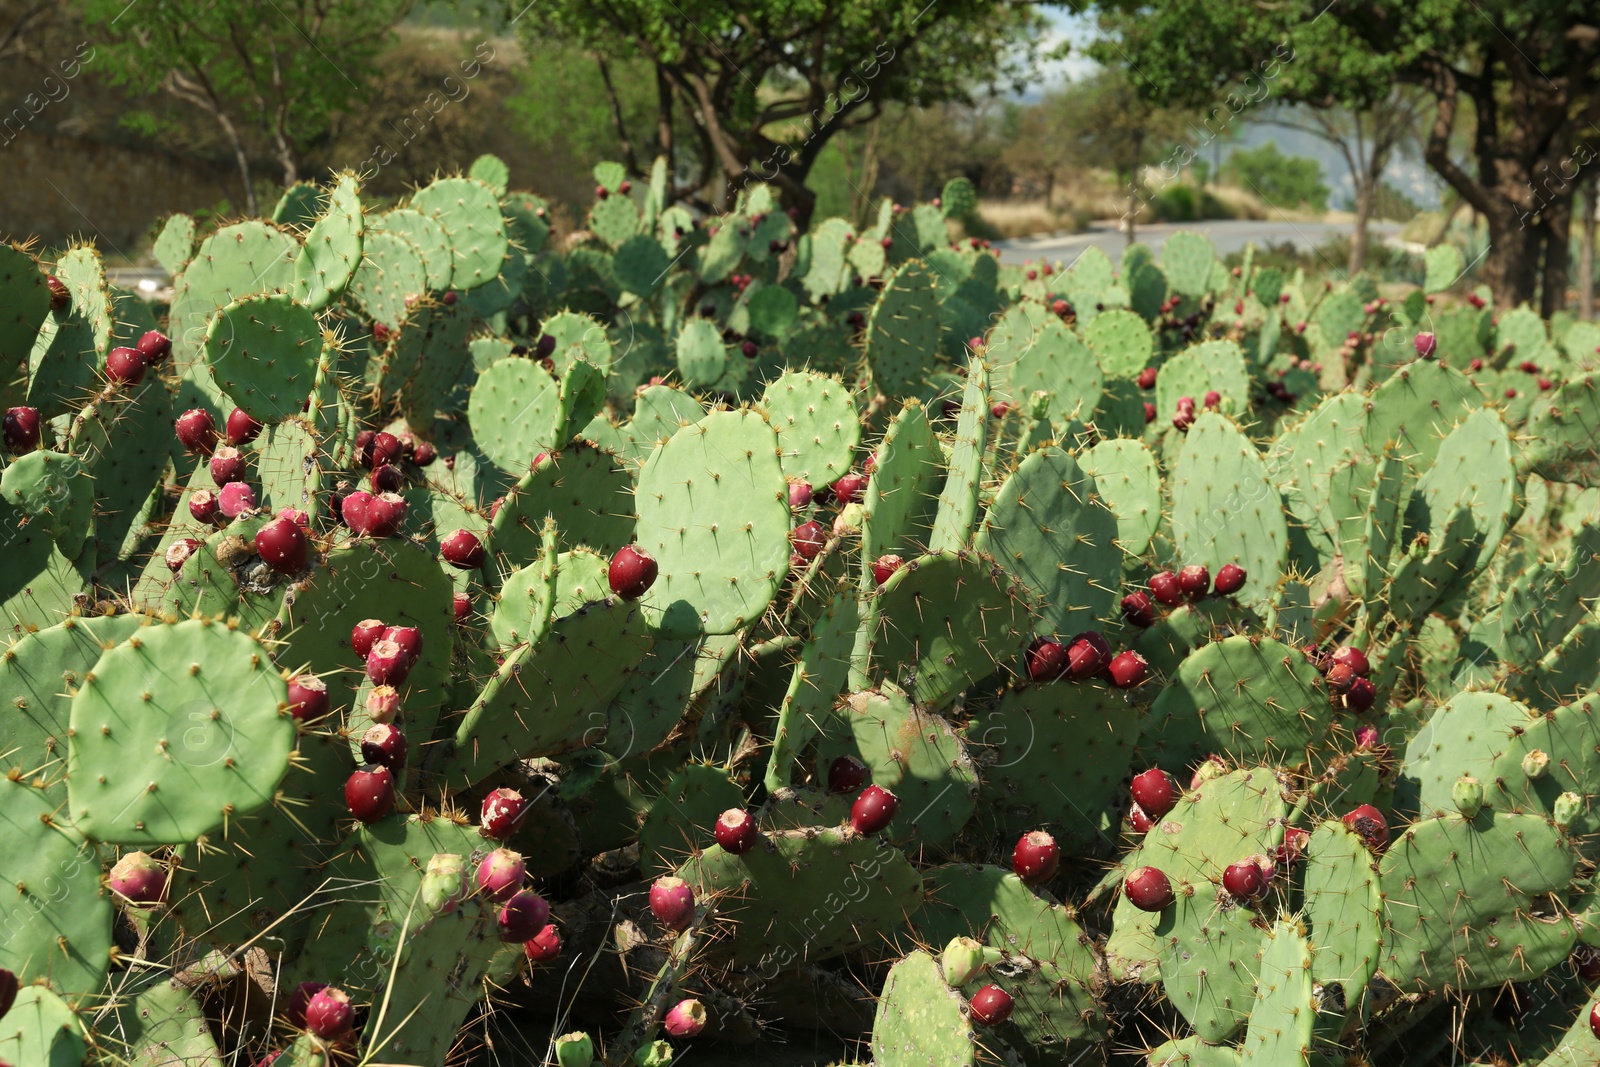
(1343,908)
(1126,479)
(920,1019)
(516,413)
(816,425)
(903,329)
(263,353)
(469,211)
(1281,1019)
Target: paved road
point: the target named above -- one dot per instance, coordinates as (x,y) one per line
(1229,235)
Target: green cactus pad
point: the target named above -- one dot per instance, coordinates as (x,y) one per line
(165,1023)
(1466,903)
(68,357)
(683,818)
(958,501)
(1249,698)
(26,300)
(641,263)
(332,249)
(1125,477)
(1187,259)
(175,243)
(1049,528)
(714,512)
(1473,473)
(1467,735)
(1210,366)
(263,353)
(816,425)
(1056,362)
(702,356)
(1192,1052)
(1121,342)
(492,171)
(899,503)
(174,731)
(1417,408)
(614,220)
(434,343)
(527,599)
(469,211)
(1570,736)
(944,621)
(819,675)
(1055,756)
(808,893)
(913,754)
(1563,433)
(391,277)
(427,239)
(42,1029)
(1284,1012)
(516,413)
(903,329)
(578,337)
(235,262)
(226,579)
(56,913)
(921,1020)
(1209,960)
(126,452)
(1224,509)
(585,489)
(51,490)
(1343,908)
(1444,268)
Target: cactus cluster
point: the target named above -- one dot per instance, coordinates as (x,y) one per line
(416,620)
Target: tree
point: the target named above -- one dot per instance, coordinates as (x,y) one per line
(765,84)
(268,72)
(1280,180)
(1529,69)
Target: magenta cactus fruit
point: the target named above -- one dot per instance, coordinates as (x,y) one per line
(387,478)
(369,792)
(203,506)
(632,572)
(387,663)
(1148,889)
(383,703)
(991,1006)
(1138,610)
(424,454)
(1244,880)
(848,488)
(1585,961)
(155,345)
(283,545)
(1352,657)
(1128,669)
(196,430)
(460,606)
(873,810)
(1294,845)
(685,1019)
(502,810)
(386,448)
(1035,857)
(409,638)
(1594,1020)
(126,366)
(1425,344)
(234,499)
(353,510)
(1195,581)
(736,831)
(543,946)
(807,539)
(500,875)
(1165,588)
(386,514)
(308,698)
(366,633)
(300,999)
(463,550)
(883,567)
(60,295)
(385,744)
(1155,792)
(9,987)
(1147,378)
(1340,678)
(179,551)
(1370,825)
(241,428)
(846,774)
(1088,654)
(672,902)
(139,878)
(329,1015)
(1230,579)
(1047,660)
(227,465)
(1140,820)
(1361,695)
(800,495)
(21,429)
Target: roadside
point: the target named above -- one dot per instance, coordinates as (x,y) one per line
(1229,235)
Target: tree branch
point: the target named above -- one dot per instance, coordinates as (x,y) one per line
(628,158)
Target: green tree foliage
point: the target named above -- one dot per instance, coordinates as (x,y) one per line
(1280,180)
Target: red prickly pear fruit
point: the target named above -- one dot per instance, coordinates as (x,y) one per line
(1340,678)
(235,499)
(60,296)
(1585,960)
(883,567)
(1361,695)
(1293,847)
(1528,366)
(1035,857)
(1366,736)
(308,698)
(385,744)
(329,1015)
(672,902)
(380,333)
(502,810)
(155,345)
(387,663)
(808,539)
(387,478)
(296,516)
(1211,399)
(1594,1019)
(799,495)
(1165,588)
(386,448)
(364,448)
(1087,655)
(424,454)
(369,792)
(364,634)
(543,946)
(1138,610)
(1184,418)
(21,427)
(887,242)
(1140,820)
(1155,792)
(500,876)
(386,513)
(1425,343)
(1476,364)
(749,349)
(1243,881)
(1047,660)
(1128,669)
(9,987)
(1230,579)
(991,1006)
(685,1019)
(632,572)
(1147,378)
(203,506)
(461,606)
(241,428)
(736,831)
(1149,413)
(1545,385)
(1370,825)
(1148,889)
(383,703)
(463,550)
(846,774)
(139,878)
(601,192)
(1511,394)
(300,999)
(1000,409)
(179,551)
(873,810)
(126,366)
(848,488)
(1352,657)
(353,510)
(283,546)
(1195,581)
(270,1058)
(196,430)
(545,347)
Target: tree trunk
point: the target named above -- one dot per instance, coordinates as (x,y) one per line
(1133,205)
(1586,251)
(1556,224)
(1511,266)
(1049,189)
(1366,192)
